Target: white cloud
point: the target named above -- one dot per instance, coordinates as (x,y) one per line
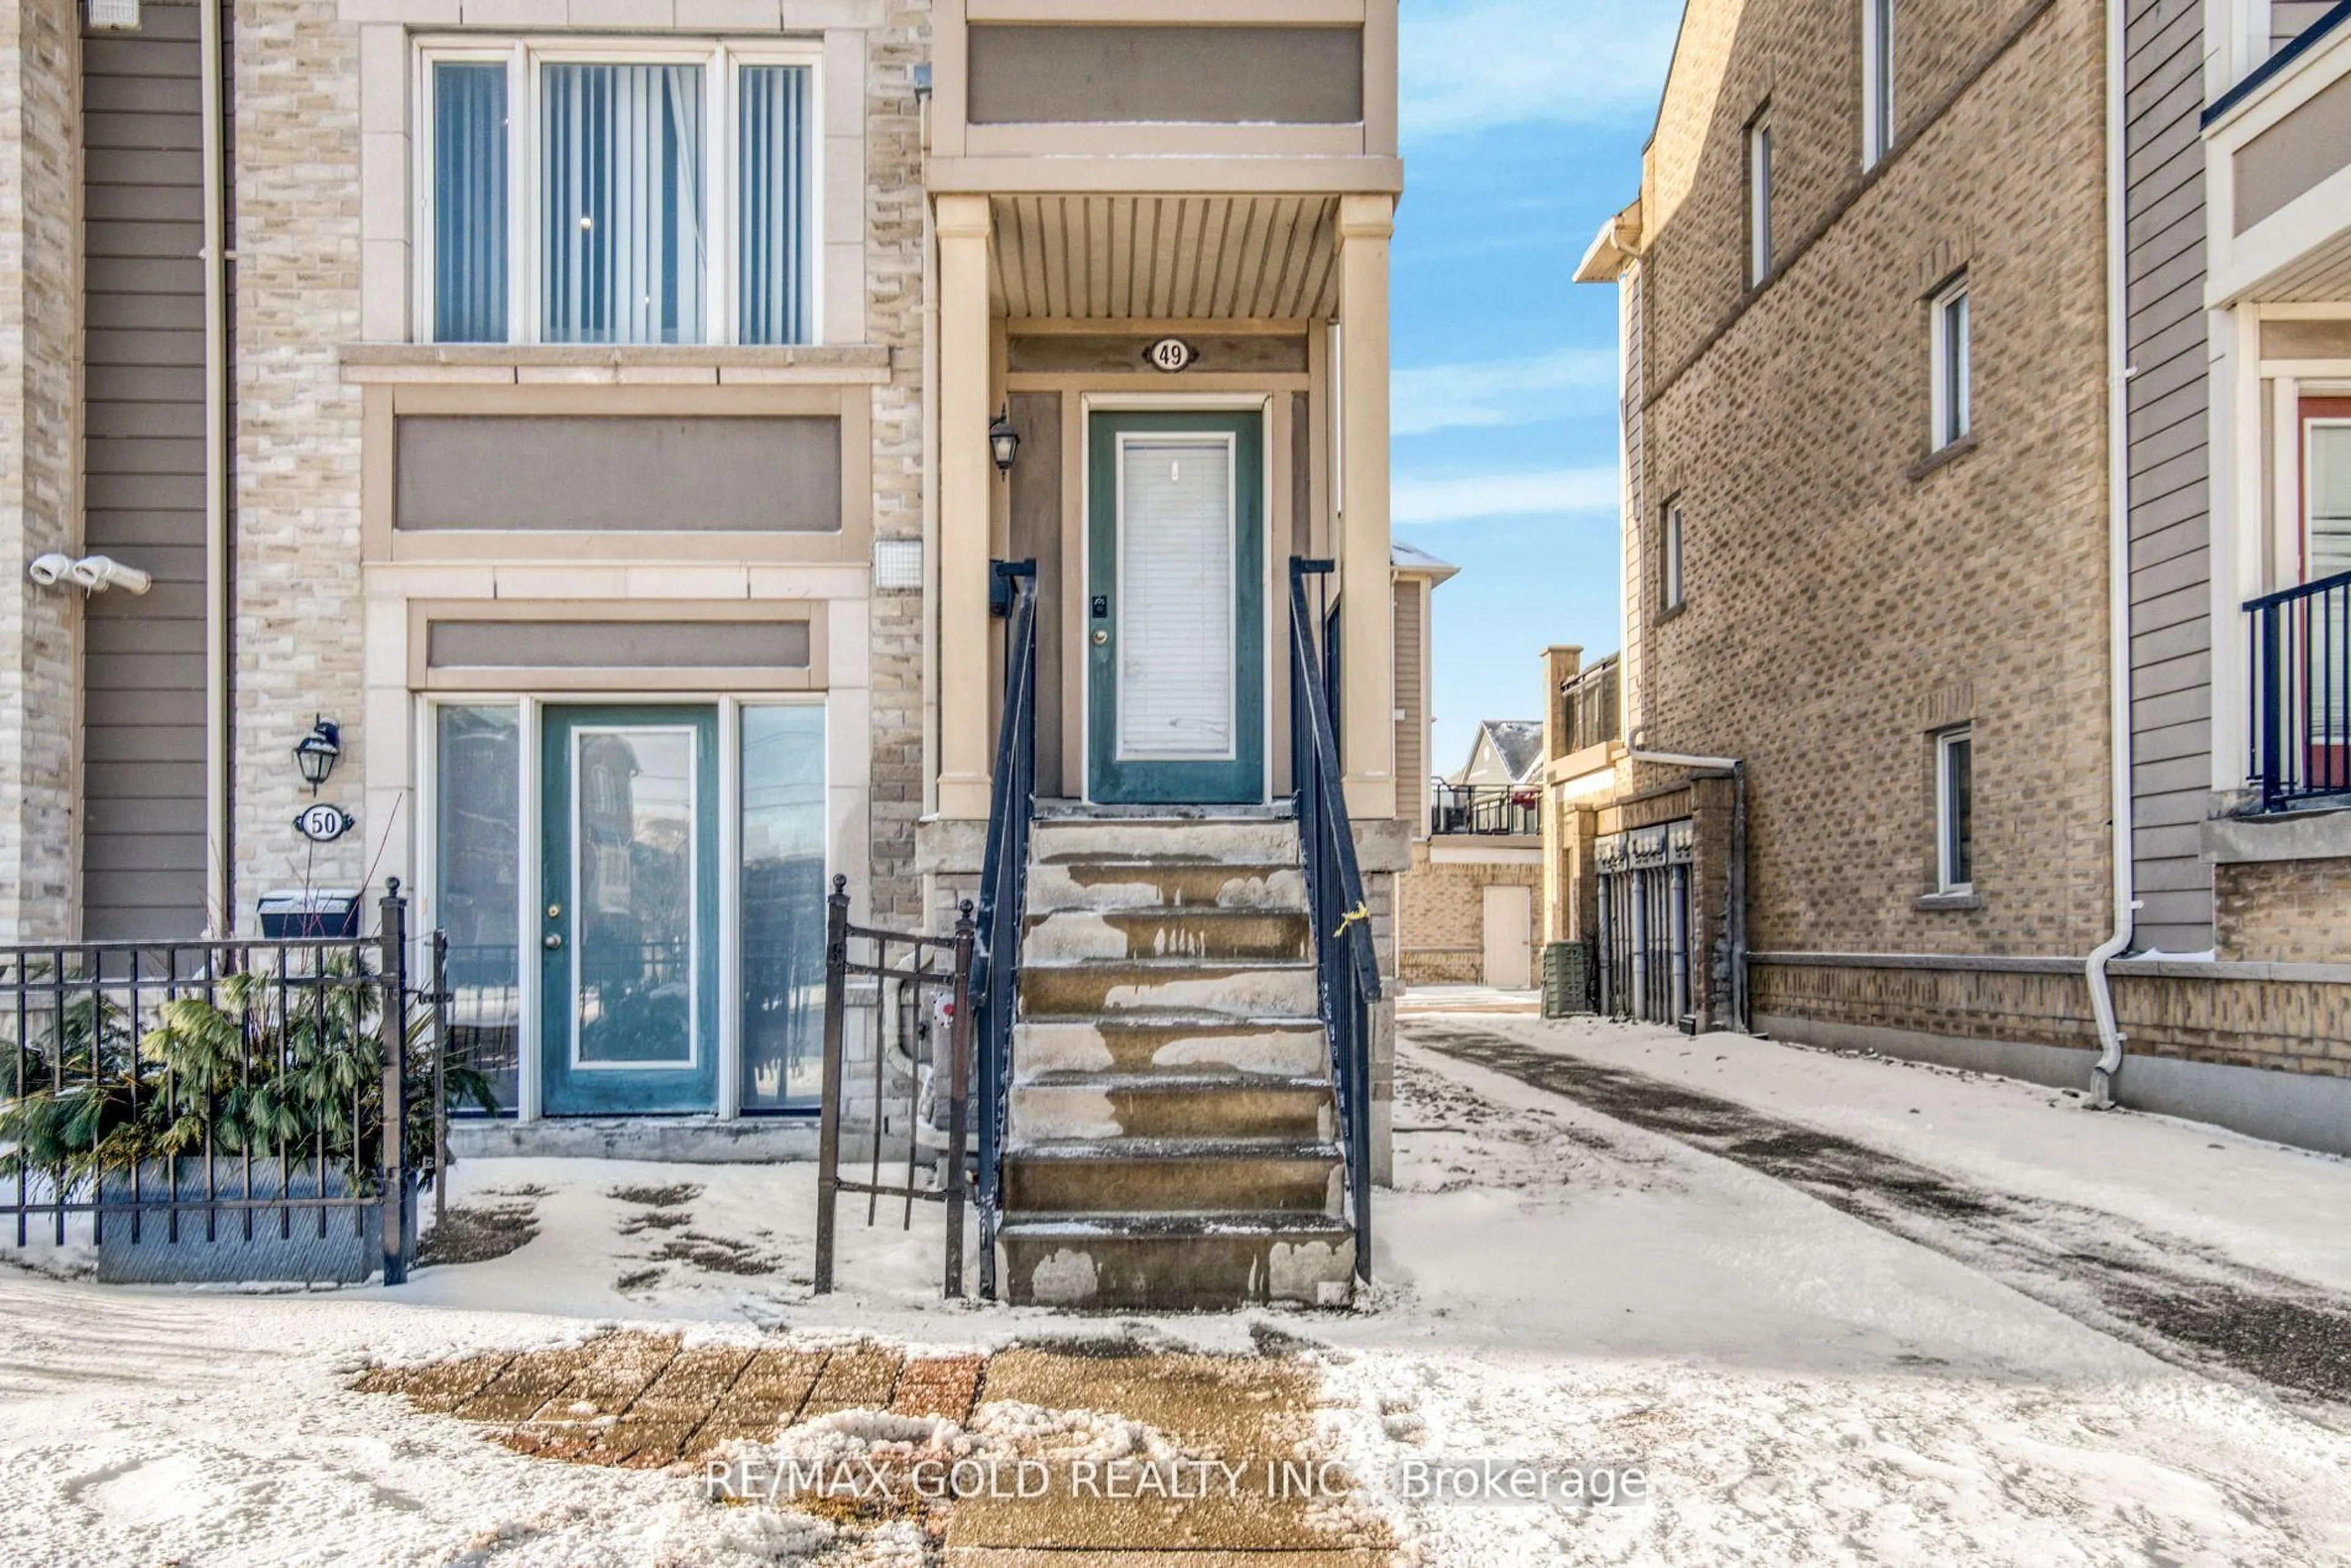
(1470,65)
(1476,497)
(1500,392)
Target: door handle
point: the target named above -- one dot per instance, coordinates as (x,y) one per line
(1102,638)
(552,941)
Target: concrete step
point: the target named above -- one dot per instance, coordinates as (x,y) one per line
(1179,1262)
(1173,1176)
(1176,1042)
(1197,840)
(1092,989)
(1116,881)
(1063,1107)
(1075,935)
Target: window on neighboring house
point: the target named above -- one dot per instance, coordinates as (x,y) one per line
(1876,80)
(1759,202)
(1955,810)
(1670,585)
(1953,393)
(577,197)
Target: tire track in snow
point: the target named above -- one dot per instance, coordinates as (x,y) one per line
(2184,1304)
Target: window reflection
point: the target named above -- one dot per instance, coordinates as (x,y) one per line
(479,860)
(783,907)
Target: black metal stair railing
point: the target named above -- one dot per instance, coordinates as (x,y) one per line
(1004,900)
(2301,671)
(1346,964)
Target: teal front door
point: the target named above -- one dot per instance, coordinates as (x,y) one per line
(1175,609)
(629,922)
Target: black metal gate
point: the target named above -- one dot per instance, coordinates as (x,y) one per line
(1646,931)
(898,1033)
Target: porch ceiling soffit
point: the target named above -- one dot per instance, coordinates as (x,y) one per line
(1166,257)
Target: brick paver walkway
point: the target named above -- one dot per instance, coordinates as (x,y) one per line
(645,1401)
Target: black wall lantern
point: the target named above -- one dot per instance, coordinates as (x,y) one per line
(1004,441)
(318,751)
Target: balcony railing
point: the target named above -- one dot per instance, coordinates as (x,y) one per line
(1489,810)
(2302,693)
(1593,712)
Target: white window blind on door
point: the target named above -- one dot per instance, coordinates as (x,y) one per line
(1175,696)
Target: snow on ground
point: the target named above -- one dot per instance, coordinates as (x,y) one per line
(1557,1287)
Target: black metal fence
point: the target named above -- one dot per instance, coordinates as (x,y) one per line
(182,1105)
(1492,810)
(1347,969)
(2302,693)
(898,1026)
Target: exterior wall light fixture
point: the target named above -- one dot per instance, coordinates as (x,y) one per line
(1004,441)
(318,752)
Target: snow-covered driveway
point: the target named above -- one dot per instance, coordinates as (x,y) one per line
(1836,1311)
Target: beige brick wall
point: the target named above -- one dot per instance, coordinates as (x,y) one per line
(1843,598)
(1441,916)
(39,440)
(2285,912)
(894,315)
(298,600)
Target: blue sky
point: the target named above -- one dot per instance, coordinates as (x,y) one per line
(1523,123)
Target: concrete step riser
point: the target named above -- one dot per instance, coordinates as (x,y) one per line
(1199,843)
(1088,1046)
(1177,1274)
(1091,990)
(1221,1184)
(1072,936)
(1070,1111)
(1130,884)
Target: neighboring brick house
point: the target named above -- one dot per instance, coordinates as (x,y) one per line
(1866,788)
(1468,910)
(585,409)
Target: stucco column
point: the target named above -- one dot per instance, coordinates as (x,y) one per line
(1367,602)
(965,473)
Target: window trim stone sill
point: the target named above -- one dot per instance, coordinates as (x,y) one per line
(1932,903)
(1942,456)
(602,364)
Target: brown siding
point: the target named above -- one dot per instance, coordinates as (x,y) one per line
(2170,478)
(1035,525)
(1411,705)
(142,843)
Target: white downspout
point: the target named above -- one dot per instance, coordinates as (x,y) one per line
(2118,608)
(930,612)
(219,914)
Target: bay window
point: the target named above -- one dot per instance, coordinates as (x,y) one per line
(653,194)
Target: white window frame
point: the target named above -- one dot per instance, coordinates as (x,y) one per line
(1877,34)
(1951,396)
(1673,584)
(1946,815)
(1759,199)
(526,60)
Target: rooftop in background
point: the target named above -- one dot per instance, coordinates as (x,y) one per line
(1508,751)
(1404,557)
